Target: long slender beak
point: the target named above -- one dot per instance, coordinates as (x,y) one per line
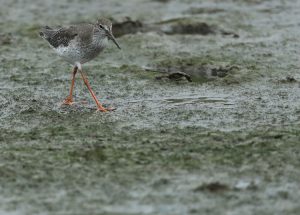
(111,37)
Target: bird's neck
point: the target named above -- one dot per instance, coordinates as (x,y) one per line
(100,40)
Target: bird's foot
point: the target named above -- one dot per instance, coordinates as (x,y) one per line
(102,109)
(68,101)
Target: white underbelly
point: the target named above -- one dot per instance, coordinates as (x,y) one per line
(74,54)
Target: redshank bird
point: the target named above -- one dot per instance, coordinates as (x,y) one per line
(78,44)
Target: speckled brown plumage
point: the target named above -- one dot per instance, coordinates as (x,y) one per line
(78,44)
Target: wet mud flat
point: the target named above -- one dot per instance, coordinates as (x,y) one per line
(207,120)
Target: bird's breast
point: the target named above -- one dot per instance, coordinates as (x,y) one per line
(80,52)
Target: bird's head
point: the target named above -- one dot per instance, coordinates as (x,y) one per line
(105,27)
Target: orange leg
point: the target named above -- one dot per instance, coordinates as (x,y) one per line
(99,105)
(69,99)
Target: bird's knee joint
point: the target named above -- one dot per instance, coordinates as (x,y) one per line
(86,81)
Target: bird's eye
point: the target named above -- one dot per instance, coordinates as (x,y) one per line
(101,26)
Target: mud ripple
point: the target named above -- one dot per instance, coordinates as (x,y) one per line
(191,71)
(178,26)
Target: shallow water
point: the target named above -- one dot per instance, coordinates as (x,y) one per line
(227,142)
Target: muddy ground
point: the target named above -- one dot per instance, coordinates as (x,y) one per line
(207,121)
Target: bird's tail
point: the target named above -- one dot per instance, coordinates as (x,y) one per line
(46,32)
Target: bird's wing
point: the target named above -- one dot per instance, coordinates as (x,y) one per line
(59,37)
(85,34)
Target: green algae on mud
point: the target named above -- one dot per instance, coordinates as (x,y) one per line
(225,143)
